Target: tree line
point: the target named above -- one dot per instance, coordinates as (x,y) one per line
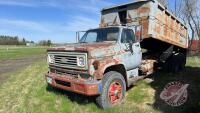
(45,43)
(15,40)
(9,40)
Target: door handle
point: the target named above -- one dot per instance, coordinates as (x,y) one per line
(137,45)
(126,50)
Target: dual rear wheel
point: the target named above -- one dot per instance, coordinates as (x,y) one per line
(175,63)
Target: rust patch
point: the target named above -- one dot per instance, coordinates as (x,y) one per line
(102,65)
(168,29)
(103,23)
(77,85)
(144,21)
(143,10)
(83,47)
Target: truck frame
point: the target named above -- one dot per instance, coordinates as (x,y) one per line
(132,42)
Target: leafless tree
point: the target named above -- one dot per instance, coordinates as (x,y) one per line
(191,15)
(178,7)
(164,2)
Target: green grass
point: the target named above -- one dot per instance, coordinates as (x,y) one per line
(14,52)
(27,92)
(193,61)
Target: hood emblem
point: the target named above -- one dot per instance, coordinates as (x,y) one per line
(64,60)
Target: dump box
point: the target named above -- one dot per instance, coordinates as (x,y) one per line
(156,21)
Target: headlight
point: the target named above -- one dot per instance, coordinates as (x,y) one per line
(81,61)
(50,59)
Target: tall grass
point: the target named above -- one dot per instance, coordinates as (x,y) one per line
(27,92)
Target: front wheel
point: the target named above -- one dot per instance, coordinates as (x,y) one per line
(113,91)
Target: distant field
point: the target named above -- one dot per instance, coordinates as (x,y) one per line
(14,52)
(13,58)
(27,92)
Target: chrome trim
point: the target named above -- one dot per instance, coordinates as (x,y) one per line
(68,60)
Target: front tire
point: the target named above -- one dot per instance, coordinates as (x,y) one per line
(113,91)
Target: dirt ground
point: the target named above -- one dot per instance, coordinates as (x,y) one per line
(9,66)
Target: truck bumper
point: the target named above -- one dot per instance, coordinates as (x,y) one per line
(77,85)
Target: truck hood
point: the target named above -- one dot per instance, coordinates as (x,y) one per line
(99,49)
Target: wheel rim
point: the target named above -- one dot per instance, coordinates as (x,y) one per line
(115,92)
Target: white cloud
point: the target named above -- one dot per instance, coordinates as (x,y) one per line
(54,30)
(89,8)
(22,24)
(90,5)
(36,31)
(18,3)
(48,30)
(31,3)
(76,23)
(80,23)
(95,6)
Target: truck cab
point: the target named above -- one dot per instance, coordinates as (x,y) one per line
(81,67)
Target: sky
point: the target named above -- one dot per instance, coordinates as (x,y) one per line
(57,20)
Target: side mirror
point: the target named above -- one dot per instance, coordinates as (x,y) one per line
(130,43)
(138,33)
(77,37)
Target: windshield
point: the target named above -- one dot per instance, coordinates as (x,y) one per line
(100,35)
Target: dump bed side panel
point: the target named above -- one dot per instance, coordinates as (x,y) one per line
(156,21)
(166,27)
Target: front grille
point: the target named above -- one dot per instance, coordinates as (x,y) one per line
(67,59)
(64,60)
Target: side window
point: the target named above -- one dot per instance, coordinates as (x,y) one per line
(127,36)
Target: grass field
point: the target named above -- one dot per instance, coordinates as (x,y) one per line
(26,91)
(13,58)
(14,52)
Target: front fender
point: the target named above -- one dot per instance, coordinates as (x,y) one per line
(98,67)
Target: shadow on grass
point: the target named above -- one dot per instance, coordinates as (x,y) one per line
(74,97)
(191,76)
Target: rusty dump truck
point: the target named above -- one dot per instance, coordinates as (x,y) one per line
(133,41)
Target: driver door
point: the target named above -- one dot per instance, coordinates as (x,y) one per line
(133,56)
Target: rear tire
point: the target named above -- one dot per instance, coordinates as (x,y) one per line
(175,63)
(182,61)
(113,91)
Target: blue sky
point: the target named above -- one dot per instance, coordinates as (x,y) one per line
(50,19)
